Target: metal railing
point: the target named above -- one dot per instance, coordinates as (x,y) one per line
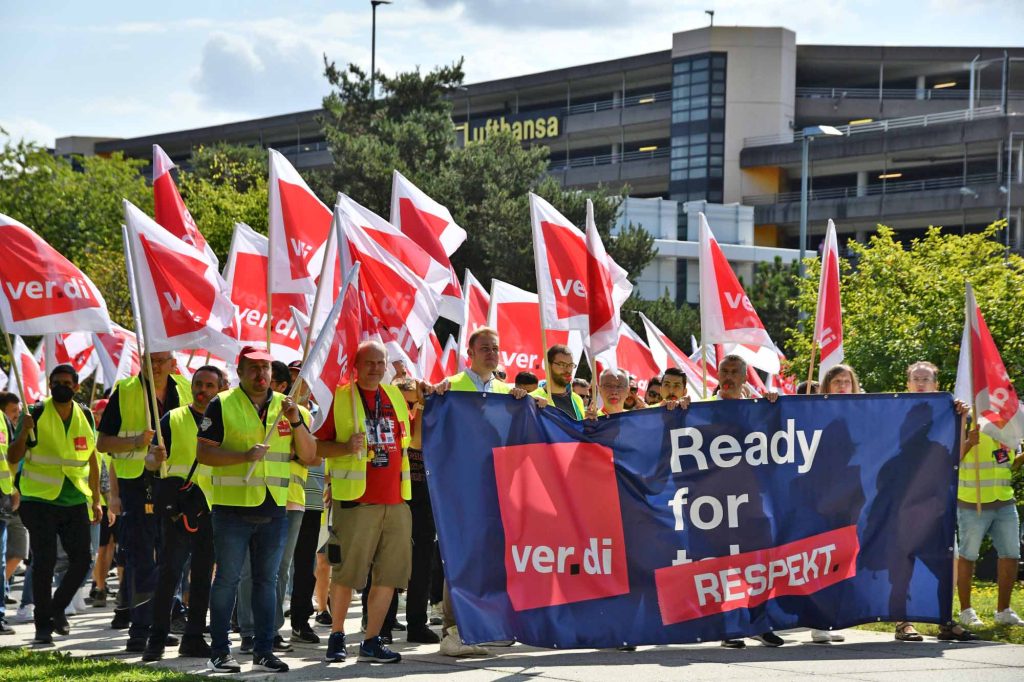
(886,125)
(620,103)
(888,187)
(607,159)
(903,93)
(304,148)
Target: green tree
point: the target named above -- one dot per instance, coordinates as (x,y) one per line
(903,303)
(773,296)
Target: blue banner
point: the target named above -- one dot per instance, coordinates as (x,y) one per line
(662,526)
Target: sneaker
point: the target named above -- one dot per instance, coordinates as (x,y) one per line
(305,634)
(61,625)
(122,619)
(1008,617)
(99,600)
(336,648)
(280,644)
(225,663)
(136,645)
(385,636)
(374,651)
(79,602)
(421,634)
(323,618)
(436,614)
(5,629)
(500,642)
(398,627)
(154,651)
(26,614)
(247,645)
(269,663)
(70,609)
(769,639)
(194,646)
(826,636)
(733,643)
(969,618)
(452,645)
(43,637)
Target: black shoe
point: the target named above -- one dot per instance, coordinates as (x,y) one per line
(280,644)
(100,600)
(421,634)
(385,637)
(335,648)
(225,663)
(323,618)
(43,637)
(178,623)
(398,627)
(122,619)
(305,634)
(10,602)
(154,651)
(269,663)
(733,643)
(5,629)
(194,646)
(769,639)
(171,640)
(956,633)
(247,644)
(628,647)
(61,625)
(136,645)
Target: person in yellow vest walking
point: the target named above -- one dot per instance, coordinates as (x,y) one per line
(125,435)
(183,503)
(370,482)
(59,485)
(249,510)
(483,349)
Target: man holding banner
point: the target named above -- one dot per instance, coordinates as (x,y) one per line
(558,389)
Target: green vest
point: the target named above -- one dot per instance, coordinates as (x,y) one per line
(348,472)
(298,471)
(58,454)
(132,403)
(184,433)
(980,467)
(463,382)
(577,402)
(6,482)
(242,430)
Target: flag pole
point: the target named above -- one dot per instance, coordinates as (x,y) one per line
(703,368)
(810,372)
(971,316)
(17,370)
(331,239)
(136,313)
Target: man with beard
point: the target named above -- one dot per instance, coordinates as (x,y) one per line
(558,389)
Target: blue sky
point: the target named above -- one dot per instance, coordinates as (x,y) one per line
(122,69)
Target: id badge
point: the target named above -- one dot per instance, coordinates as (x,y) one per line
(376,443)
(1002,455)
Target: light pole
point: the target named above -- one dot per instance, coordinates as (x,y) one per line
(809,134)
(1009,190)
(373,47)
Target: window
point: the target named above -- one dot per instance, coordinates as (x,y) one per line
(698,127)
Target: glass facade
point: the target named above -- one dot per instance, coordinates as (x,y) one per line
(698,127)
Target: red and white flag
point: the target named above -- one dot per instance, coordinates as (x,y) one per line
(331,359)
(476,302)
(450,357)
(515,314)
(828,322)
(608,287)
(631,354)
(667,354)
(118,354)
(982,380)
(74,348)
(41,291)
(169,208)
(297,229)
(431,226)
(430,368)
(246,275)
(32,376)
(560,256)
(187,301)
(726,314)
(761,357)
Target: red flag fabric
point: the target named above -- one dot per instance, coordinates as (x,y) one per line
(41,291)
(246,275)
(761,357)
(667,354)
(828,322)
(982,380)
(169,208)
(476,302)
(608,287)
(450,357)
(631,354)
(560,255)
(331,358)
(32,376)
(297,229)
(74,348)
(118,354)
(187,303)
(430,367)
(431,226)
(726,314)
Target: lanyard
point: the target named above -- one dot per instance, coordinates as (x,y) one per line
(377,408)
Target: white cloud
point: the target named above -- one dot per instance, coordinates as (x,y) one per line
(29,129)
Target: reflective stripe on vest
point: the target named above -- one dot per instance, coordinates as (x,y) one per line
(184,434)
(6,480)
(131,401)
(297,483)
(59,454)
(348,472)
(982,478)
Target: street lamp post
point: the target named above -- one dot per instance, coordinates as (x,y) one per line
(373,46)
(809,134)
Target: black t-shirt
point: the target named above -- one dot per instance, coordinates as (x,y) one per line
(563,401)
(37,411)
(110,424)
(165,429)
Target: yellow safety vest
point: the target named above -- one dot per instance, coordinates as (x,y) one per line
(243,429)
(463,382)
(348,472)
(131,401)
(6,481)
(184,433)
(980,467)
(577,402)
(59,454)
(298,471)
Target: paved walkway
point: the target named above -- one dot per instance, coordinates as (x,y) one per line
(864,656)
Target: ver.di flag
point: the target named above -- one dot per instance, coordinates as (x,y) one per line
(631,354)
(32,376)
(666,354)
(477,302)
(828,322)
(608,287)
(169,208)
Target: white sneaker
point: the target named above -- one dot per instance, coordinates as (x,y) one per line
(821,636)
(436,614)
(969,619)
(452,645)
(26,614)
(79,601)
(70,609)
(1008,617)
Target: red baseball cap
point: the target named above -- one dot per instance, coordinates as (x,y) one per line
(254,353)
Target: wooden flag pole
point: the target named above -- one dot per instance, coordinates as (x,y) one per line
(703,369)
(17,374)
(810,371)
(136,313)
(974,403)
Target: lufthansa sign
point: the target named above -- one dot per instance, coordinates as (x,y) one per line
(526,126)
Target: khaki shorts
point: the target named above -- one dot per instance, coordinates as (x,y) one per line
(377,536)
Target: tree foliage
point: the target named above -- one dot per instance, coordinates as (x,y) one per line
(903,303)
(773,294)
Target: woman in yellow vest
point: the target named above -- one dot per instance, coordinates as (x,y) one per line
(59,485)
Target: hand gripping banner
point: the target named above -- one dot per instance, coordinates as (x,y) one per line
(725,520)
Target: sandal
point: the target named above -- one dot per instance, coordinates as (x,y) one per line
(905,632)
(956,633)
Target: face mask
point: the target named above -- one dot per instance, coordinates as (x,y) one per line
(62,393)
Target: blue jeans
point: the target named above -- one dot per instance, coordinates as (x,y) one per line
(3,567)
(245,619)
(1001,524)
(233,538)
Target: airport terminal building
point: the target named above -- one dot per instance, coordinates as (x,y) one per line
(931,136)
